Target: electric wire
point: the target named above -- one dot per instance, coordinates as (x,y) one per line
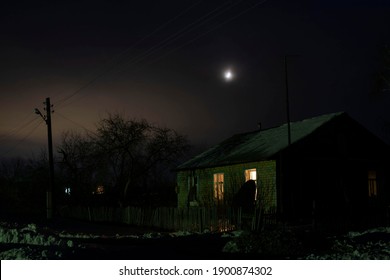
(177,35)
(203,34)
(74,122)
(59,104)
(196,24)
(20,141)
(207,32)
(183,31)
(16,130)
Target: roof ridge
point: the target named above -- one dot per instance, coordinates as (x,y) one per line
(258,144)
(294,122)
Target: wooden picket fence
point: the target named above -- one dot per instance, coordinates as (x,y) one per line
(188,219)
(195,219)
(263,218)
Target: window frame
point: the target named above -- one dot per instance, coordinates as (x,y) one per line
(218,186)
(247,176)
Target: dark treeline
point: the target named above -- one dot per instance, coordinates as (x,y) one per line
(124,162)
(23,186)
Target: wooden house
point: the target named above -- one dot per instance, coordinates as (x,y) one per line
(333,168)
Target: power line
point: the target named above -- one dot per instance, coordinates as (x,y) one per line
(60,104)
(194,25)
(23,139)
(207,32)
(16,130)
(183,31)
(164,25)
(74,122)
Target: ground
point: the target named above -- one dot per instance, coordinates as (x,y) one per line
(70,239)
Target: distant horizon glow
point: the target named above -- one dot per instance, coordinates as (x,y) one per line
(185,66)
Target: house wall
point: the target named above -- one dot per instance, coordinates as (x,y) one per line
(325,176)
(234,178)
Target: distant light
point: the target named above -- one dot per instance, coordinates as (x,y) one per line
(228,75)
(100,190)
(67,190)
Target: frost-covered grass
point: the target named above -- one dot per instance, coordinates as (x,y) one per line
(31,241)
(371,244)
(26,242)
(29,235)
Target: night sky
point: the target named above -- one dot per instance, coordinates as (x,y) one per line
(164,61)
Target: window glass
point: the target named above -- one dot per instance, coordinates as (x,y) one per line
(218,186)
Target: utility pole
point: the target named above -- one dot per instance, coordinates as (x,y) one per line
(50,187)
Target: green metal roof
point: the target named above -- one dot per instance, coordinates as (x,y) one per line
(256,145)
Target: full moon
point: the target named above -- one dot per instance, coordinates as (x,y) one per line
(228,75)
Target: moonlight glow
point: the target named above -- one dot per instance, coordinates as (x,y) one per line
(228,75)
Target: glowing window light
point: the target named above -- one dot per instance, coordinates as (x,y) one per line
(218,186)
(251,174)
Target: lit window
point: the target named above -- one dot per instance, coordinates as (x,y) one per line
(372,188)
(218,187)
(251,174)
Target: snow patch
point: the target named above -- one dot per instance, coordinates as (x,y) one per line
(31,242)
(371,244)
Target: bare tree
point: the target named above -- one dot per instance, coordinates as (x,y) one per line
(79,162)
(128,153)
